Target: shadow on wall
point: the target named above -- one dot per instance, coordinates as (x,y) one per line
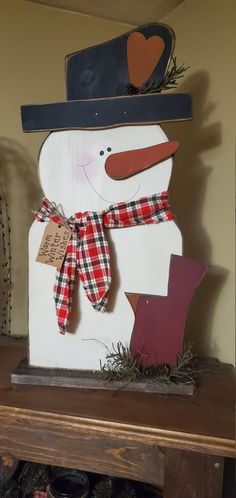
(19,182)
(188,191)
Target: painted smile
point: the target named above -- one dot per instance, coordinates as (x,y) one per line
(107,200)
(84,165)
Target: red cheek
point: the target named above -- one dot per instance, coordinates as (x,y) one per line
(83,175)
(85,159)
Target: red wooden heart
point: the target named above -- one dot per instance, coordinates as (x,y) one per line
(143,56)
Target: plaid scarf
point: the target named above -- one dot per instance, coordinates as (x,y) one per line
(88,252)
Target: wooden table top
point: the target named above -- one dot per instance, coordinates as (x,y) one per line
(202,423)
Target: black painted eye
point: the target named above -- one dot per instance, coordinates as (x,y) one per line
(101,152)
(108,149)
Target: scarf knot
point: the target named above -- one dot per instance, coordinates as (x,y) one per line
(88,252)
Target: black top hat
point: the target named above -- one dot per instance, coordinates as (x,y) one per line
(103,82)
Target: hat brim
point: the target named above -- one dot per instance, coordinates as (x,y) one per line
(107,112)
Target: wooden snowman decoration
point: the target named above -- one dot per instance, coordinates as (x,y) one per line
(105,169)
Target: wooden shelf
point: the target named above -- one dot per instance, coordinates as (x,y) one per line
(119,433)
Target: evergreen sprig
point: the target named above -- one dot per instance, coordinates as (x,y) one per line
(123,366)
(120,364)
(169,82)
(103,489)
(9,489)
(33,476)
(113,488)
(127,491)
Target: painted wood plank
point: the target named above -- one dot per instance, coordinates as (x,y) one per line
(103,70)
(106,113)
(158,331)
(85,379)
(72,173)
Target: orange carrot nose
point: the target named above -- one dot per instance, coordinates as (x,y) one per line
(125,164)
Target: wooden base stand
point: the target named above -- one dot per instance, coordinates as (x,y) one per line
(172,442)
(87,379)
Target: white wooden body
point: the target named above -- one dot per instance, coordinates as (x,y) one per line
(72,174)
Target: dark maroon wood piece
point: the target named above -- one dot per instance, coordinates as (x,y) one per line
(158,331)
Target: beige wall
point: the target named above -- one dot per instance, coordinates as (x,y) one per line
(34,41)
(203,182)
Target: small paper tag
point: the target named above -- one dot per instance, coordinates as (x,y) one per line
(54,243)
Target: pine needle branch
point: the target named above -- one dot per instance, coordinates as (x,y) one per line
(103,489)
(169,82)
(122,365)
(33,476)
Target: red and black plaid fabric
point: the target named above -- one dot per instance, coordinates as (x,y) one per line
(88,252)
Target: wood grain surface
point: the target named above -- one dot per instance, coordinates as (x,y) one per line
(49,441)
(193,475)
(119,433)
